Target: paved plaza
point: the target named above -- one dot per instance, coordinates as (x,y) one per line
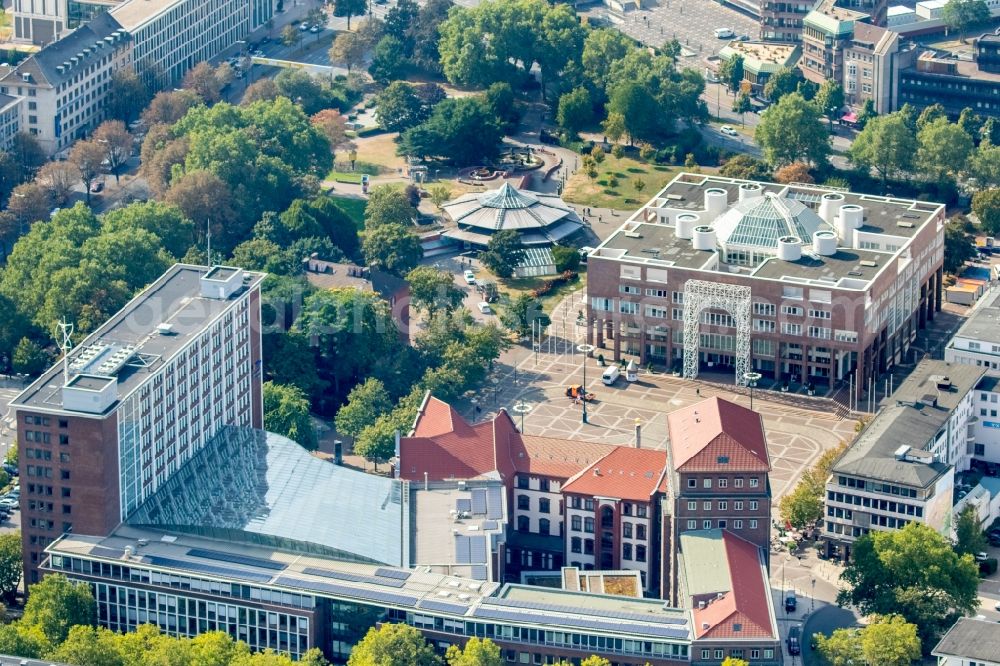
(797,434)
(691,22)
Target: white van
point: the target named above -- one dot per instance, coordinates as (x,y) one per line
(611,375)
(724,33)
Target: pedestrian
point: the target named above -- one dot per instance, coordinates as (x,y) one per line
(600,218)
(697,392)
(478,410)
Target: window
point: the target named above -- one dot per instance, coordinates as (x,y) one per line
(588,504)
(588,546)
(707,483)
(692,524)
(692,483)
(631,272)
(640,510)
(626,551)
(765,309)
(706,524)
(753,524)
(795,293)
(793,310)
(588,525)
(723,482)
(706,654)
(523,524)
(627,508)
(575,545)
(640,532)
(754,482)
(791,329)
(523,503)
(722,524)
(543,526)
(64,439)
(738,483)
(723,505)
(753,505)
(626,307)
(707,505)
(738,505)
(629,289)
(719,654)
(692,505)
(522,482)
(640,553)
(576,523)
(737,524)
(543,505)
(64,474)
(763,325)
(627,530)
(543,485)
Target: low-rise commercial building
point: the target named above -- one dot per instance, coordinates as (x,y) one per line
(872,60)
(797,282)
(826,31)
(901,467)
(970,642)
(782,21)
(761,60)
(955,83)
(977,342)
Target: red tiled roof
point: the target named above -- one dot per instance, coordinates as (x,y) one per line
(715,428)
(446,446)
(625,473)
(562,458)
(747,603)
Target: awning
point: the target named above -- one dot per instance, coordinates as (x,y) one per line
(850,117)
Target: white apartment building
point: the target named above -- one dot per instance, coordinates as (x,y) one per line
(986,425)
(901,467)
(65,85)
(977,342)
(170,37)
(10,119)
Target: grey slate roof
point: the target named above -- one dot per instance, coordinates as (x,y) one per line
(983,323)
(43,66)
(978,640)
(912,419)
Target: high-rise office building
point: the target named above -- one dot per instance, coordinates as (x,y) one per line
(101,430)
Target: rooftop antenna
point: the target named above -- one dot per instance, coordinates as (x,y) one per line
(208,235)
(66,344)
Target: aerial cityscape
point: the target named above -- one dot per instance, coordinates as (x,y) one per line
(485,332)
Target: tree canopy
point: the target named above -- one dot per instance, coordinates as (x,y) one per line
(463,131)
(887,145)
(393,645)
(913,572)
(791,131)
(286,412)
(503,253)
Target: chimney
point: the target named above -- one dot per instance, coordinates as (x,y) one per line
(597,471)
(638,434)
(397,443)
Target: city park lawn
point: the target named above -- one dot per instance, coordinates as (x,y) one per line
(598,193)
(513,287)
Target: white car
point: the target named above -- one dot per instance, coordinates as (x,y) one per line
(728,130)
(303,27)
(470,277)
(484,307)
(724,33)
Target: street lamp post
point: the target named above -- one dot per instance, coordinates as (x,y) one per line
(585,350)
(495,382)
(752,379)
(812,601)
(522,408)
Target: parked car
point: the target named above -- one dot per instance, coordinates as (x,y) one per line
(10,469)
(315,29)
(793,641)
(611,375)
(10,502)
(728,130)
(258,54)
(791,603)
(303,27)
(97,187)
(470,277)
(484,308)
(982,557)
(724,33)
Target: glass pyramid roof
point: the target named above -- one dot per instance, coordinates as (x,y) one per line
(760,221)
(507,197)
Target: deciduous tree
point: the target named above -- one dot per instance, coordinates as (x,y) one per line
(943,149)
(434,290)
(29,203)
(128,96)
(475,653)
(56,605)
(205,81)
(960,15)
(791,131)
(731,72)
(523,315)
(575,111)
(398,107)
(113,137)
(984,164)
(286,412)
(169,106)
(348,50)
(260,90)
(829,100)
(391,247)
(365,403)
(958,247)
(887,145)
(388,205)
(462,131)
(986,206)
(503,253)
(349,8)
(87,156)
(393,645)
(969,538)
(783,82)
(913,572)
(58,178)
(388,60)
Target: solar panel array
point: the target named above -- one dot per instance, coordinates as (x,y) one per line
(443,606)
(463,549)
(518,615)
(236,559)
(576,610)
(463,505)
(377,596)
(477,551)
(494,502)
(479,500)
(392,573)
(354,578)
(210,569)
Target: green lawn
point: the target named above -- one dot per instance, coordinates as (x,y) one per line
(353,208)
(344,177)
(600,192)
(515,286)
